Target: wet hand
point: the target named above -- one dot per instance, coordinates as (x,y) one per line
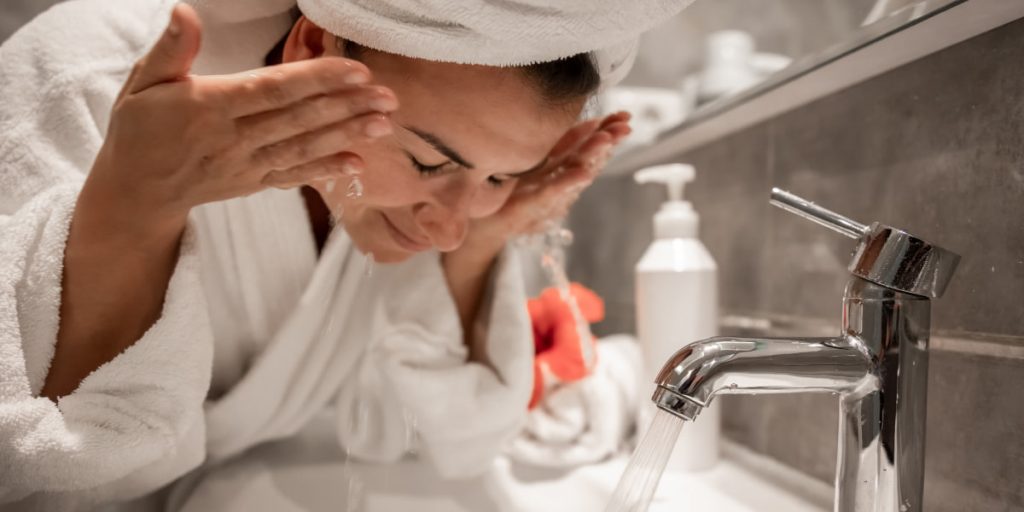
(177,140)
(547,194)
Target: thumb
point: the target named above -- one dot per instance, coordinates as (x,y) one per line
(172,55)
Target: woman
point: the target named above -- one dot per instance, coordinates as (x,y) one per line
(164,304)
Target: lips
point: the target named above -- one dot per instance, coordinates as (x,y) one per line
(403,240)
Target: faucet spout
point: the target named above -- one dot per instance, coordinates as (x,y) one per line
(878,365)
(723,365)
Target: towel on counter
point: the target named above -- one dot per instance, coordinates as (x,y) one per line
(585,421)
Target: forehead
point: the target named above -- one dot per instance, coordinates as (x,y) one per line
(492,116)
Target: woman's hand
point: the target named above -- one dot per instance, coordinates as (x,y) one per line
(538,199)
(177,141)
(547,194)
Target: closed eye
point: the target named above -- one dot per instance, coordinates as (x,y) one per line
(423,168)
(429,170)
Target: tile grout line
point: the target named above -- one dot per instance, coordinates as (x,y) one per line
(978,347)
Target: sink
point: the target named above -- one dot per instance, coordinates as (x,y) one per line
(309,473)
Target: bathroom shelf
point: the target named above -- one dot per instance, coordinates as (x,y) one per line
(878,54)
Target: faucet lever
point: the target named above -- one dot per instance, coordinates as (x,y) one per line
(808,210)
(885,255)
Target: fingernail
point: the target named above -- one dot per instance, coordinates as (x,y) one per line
(329,186)
(356,77)
(383,103)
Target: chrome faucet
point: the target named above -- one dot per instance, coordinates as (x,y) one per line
(878,365)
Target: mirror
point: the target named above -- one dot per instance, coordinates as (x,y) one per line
(717,54)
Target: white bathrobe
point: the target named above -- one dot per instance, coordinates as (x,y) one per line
(256,335)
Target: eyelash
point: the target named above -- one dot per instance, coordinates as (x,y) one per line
(427,170)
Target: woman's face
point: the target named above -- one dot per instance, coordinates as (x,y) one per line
(462,134)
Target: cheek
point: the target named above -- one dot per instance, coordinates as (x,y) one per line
(490,199)
(388,181)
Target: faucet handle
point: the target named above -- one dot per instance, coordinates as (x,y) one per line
(886,256)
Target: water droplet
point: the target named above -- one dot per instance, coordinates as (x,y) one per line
(368,262)
(410,431)
(336,214)
(355,188)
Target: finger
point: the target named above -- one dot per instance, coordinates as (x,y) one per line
(617,117)
(320,143)
(305,116)
(275,87)
(171,57)
(544,202)
(572,138)
(593,151)
(618,130)
(585,152)
(333,167)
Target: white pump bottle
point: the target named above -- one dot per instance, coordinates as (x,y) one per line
(676,304)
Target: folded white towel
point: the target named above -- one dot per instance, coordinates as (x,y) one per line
(585,421)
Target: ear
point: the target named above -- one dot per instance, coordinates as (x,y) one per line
(306,41)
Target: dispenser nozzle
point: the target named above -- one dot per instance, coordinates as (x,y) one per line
(673,176)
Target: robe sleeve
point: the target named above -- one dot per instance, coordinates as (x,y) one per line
(135,423)
(416,391)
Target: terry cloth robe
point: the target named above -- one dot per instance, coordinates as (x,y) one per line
(256,335)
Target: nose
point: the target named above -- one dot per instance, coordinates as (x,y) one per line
(445,217)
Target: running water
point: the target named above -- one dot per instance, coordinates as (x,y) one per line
(556,239)
(640,480)
(354,488)
(355,495)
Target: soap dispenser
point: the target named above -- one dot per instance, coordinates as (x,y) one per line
(676,301)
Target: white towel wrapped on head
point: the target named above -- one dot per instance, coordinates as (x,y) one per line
(484,32)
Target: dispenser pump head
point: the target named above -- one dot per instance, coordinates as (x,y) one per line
(676,218)
(673,176)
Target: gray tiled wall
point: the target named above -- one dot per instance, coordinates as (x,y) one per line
(935,147)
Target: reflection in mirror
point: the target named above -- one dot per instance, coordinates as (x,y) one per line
(719,53)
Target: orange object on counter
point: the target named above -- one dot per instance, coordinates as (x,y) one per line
(557,343)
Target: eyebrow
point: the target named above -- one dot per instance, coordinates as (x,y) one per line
(446,150)
(440,146)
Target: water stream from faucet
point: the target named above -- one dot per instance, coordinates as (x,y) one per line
(640,479)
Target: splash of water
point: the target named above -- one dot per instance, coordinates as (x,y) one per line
(336,215)
(411,431)
(354,486)
(355,188)
(640,479)
(368,262)
(555,239)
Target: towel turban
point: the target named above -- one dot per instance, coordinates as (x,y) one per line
(485,32)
